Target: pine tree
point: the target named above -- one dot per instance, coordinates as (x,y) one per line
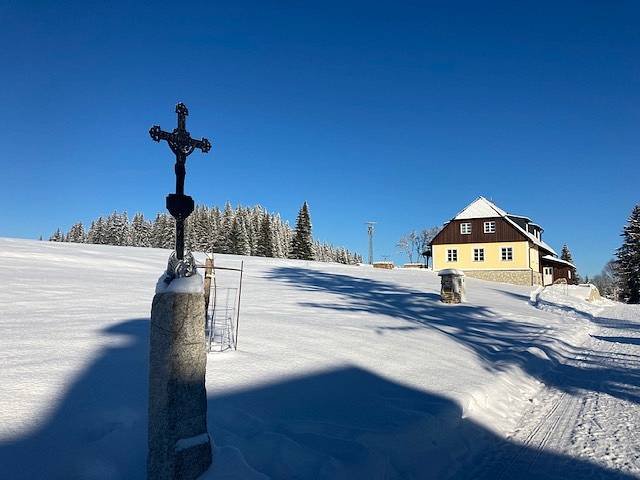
(163,232)
(215,225)
(265,238)
(565,255)
(256,232)
(238,241)
(244,246)
(76,233)
(628,263)
(140,231)
(302,242)
(224,242)
(57,236)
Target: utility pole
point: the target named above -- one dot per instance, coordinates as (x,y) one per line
(370,232)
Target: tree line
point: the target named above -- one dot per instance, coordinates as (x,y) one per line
(240,231)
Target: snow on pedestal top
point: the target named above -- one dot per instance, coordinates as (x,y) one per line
(192,284)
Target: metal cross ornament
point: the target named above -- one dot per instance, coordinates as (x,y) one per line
(180,206)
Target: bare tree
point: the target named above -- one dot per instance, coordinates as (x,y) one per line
(607,281)
(405,245)
(416,242)
(424,238)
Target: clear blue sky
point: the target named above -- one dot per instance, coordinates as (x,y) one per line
(400,112)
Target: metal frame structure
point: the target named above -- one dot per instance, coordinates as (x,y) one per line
(370,230)
(214,312)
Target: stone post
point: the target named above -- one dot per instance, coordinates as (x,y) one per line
(179,445)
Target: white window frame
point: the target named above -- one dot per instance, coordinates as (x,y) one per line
(505,253)
(490,227)
(465,228)
(452,255)
(478,254)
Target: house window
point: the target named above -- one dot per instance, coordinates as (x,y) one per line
(452,255)
(569,274)
(465,228)
(506,253)
(478,254)
(489,227)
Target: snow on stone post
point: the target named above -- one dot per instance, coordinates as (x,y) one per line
(179,444)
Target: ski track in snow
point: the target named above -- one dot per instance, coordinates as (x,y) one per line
(589,423)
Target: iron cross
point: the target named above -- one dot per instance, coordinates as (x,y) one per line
(182,145)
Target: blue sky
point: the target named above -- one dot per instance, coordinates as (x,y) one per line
(400,113)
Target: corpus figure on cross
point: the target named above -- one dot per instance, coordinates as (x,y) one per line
(182,145)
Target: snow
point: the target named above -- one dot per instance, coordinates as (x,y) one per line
(185,443)
(557,260)
(451,271)
(192,284)
(341,372)
(480,208)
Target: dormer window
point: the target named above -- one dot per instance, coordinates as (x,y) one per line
(489,227)
(465,228)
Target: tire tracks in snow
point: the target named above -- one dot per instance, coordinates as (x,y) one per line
(585,420)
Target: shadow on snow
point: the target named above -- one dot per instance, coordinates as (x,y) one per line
(343,423)
(498,342)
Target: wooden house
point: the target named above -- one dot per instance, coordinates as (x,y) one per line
(486,242)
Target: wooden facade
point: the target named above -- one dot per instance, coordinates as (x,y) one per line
(560,270)
(505,232)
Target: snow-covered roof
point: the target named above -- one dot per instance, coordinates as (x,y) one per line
(557,260)
(483,208)
(480,208)
(519,216)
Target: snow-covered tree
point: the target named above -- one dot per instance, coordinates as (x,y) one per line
(117,229)
(76,233)
(163,232)
(607,281)
(57,236)
(565,254)
(223,241)
(628,264)
(96,232)
(238,241)
(302,241)
(265,238)
(140,231)
(240,230)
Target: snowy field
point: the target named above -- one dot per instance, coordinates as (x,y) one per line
(342,372)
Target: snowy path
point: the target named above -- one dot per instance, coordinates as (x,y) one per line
(595,421)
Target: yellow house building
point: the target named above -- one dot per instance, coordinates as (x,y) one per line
(486,242)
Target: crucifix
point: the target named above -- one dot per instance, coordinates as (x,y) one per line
(180,206)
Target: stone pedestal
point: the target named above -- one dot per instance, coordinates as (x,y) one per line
(179,445)
(452,285)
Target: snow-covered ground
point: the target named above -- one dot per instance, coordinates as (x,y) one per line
(341,372)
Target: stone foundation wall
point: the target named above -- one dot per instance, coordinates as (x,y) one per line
(537,278)
(515,277)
